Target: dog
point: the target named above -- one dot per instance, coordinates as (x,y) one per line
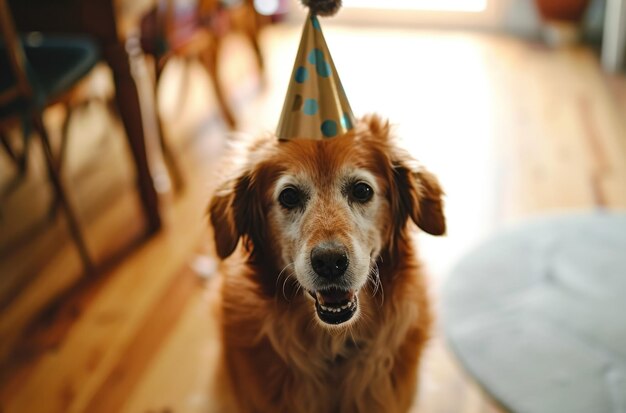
(322,303)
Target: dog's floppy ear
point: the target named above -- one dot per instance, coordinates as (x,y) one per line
(222,215)
(430,217)
(419,194)
(236,212)
(420,197)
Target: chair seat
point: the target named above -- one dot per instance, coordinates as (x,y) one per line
(56,64)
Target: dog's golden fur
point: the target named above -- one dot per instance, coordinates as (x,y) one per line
(277,356)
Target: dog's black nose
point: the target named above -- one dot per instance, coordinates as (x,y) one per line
(329,261)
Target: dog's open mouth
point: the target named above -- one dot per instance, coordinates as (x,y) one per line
(335,306)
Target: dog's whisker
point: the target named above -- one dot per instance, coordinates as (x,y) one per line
(286,278)
(298,289)
(283,270)
(377,283)
(353,339)
(311,324)
(376,278)
(372,277)
(284,283)
(278,278)
(367,318)
(380,285)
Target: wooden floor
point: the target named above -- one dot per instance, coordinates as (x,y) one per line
(512,129)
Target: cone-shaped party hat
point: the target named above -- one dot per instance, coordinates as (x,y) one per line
(316,106)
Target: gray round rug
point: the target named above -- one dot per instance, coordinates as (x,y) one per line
(537,315)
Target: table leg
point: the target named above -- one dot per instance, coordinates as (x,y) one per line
(127,99)
(98,19)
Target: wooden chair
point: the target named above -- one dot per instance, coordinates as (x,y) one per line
(171,29)
(35,73)
(226,16)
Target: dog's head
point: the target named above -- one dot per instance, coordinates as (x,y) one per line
(325,211)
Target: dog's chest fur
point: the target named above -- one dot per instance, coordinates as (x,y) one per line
(279,357)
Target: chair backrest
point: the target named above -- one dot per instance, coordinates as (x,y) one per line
(17,58)
(166,21)
(156,26)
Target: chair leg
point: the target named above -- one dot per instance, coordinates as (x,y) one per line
(18,159)
(252,32)
(14,183)
(209,59)
(8,148)
(254,39)
(65,128)
(171,163)
(61,194)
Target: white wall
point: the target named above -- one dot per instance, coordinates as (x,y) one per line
(518,17)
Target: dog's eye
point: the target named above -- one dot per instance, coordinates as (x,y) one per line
(290,198)
(362,192)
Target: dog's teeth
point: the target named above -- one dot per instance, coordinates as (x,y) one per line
(337,309)
(349,305)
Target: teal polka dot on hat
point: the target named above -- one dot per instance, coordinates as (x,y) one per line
(310,107)
(329,128)
(302,74)
(346,122)
(323,69)
(316,55)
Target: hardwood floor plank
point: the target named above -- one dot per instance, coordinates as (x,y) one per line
(130,365)
(108,324)
(180,377)
(110,232)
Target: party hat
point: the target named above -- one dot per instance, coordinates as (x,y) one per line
(316,106)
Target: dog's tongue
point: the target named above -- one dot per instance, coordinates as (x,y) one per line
(335,296)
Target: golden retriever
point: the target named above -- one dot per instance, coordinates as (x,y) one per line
(322,305)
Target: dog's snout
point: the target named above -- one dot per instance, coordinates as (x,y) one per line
(330,261)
